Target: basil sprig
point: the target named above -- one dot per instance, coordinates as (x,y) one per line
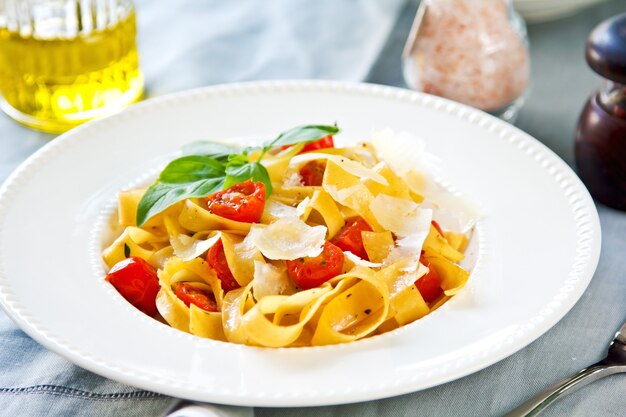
(208,167)
(301,134)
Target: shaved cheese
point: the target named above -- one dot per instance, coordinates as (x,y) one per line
(293,180)
(401,216)
(392,148)
(188,247)
(408,248)
(303,205)
(352,167)
(277,210)
(401,275)
(288,238)
(421,171)
(361,262)
(270,280)
(345,195)
(160,257)
(454,211)
(240,256)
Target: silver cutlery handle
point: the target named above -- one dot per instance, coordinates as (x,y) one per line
(538,403)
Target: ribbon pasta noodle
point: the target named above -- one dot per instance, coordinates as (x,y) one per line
(268,282)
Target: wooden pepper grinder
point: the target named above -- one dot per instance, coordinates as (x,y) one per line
(601,135)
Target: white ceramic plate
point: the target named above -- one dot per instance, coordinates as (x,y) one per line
(539,244)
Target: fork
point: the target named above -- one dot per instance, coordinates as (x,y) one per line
(615,362)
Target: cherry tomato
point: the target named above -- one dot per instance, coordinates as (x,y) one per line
(189,294)
(436,226)
(217,260)
(243,202)
(325,142)
(312,272)
(349,237)
(312,173)
(430,284)
(136,280)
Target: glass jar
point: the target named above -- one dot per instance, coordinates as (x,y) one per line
(471,51)
(63,62)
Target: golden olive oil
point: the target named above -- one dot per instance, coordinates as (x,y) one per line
(55,84)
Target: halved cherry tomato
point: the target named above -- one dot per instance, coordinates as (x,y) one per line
(312,272)
(349,237)
(216,257)
(243,202)
(136,280)
(436,226)
(429,285)
(312,173)
(325,142)
(189,294)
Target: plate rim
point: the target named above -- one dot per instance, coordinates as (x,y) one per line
(588,230)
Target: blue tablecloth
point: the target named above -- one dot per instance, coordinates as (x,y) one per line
(187,44)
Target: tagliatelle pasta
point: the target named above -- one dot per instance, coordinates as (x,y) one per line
(297,243)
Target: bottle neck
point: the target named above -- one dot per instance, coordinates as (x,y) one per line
(612,99)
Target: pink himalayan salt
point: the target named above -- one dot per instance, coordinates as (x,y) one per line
(468,51)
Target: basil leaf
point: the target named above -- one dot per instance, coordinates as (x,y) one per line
(126,250)
(300,134)
(261,174)
(162,195)
(186,177)
(253,170)
(215,150)
(191,168)
(237,159)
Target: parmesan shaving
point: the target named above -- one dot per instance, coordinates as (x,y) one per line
(408,248)
(270,280)
(351,167)
(402,217)
(343,195)
(302,206)
(188,248)
(454,211)
(293,180)
(392,148)
(361,262)
(406,279)
(420,170)
(401,275)
(288,238)
(277,209)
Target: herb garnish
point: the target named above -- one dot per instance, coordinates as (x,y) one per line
(208,167)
